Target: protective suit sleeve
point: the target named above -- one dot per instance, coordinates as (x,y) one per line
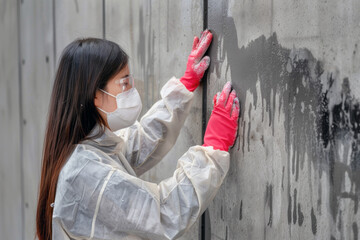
(119,204)
(148,141)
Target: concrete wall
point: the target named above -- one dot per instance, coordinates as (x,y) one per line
(11,201)
(295,65)
(157,35)
(295,166)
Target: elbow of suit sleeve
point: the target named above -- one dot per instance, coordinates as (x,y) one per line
(176,96)
(206,168)
(185,196)
(161,125)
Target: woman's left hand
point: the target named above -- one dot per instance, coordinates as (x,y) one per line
(197,64)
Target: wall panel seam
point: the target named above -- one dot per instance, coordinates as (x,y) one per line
(21,120)
(54,31)
(104,20)
(204,110)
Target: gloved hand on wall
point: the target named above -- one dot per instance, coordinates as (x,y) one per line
(197,65)
(223,123)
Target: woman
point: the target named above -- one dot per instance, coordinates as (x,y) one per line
(94,149)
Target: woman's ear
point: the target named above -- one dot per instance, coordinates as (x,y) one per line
(98,102)
(98,99)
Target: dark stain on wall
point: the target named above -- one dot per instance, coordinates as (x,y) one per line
(295,205)
(340,139)
(322,120)
(226,233)
(240,211)
(289,209)
(301,215)
(269,202)
(355,230)
(222,213)
(313,222)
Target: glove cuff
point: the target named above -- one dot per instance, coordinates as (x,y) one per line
(221,130)
(190,84)
(222,148)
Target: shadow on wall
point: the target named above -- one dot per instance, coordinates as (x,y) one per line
(322,120)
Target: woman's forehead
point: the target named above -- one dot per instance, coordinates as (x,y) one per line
(123,72)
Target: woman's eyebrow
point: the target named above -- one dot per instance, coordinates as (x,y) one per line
(126,75)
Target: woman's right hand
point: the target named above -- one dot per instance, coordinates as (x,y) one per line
(197,64)
(223,123)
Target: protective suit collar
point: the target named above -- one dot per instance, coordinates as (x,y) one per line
(109,142)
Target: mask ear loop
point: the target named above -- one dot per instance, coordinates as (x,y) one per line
(107,92)
(102,110)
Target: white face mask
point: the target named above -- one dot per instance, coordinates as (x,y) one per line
(128,109)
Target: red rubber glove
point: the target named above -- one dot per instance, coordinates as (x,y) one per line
(223,123)
(196,66)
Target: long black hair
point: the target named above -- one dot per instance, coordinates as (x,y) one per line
(85,66)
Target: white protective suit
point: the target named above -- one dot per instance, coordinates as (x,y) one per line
(99,195)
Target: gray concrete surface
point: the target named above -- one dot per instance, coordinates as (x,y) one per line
(11,201)
(158,36)
(76,19)
(295,65)
(37,70)
(295,166)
